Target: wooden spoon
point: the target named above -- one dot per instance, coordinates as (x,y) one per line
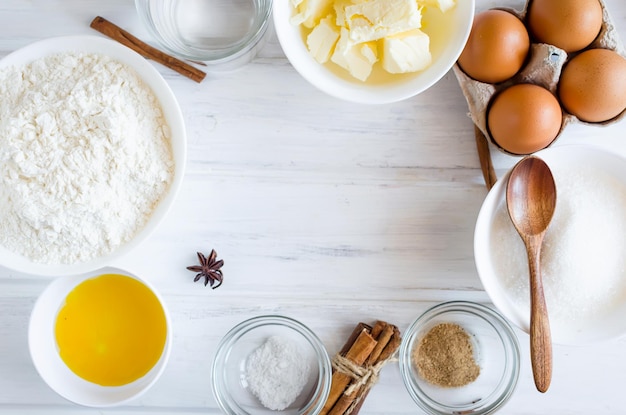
(531,200)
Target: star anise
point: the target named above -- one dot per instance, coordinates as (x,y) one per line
(209,268)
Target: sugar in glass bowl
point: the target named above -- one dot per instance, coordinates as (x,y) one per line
(448,33)
(224,34)
(495,350)
(232,382)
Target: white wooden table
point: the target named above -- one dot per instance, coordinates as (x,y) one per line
(325,211)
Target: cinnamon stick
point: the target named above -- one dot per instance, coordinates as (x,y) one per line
(120,35)
(388,351)
(358,352)
(355,333)
(387,342)
(378,328)
(392,345)
(484,156)
(382,339)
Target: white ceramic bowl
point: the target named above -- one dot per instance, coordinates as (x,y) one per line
(173,116)
(45,356)
(590,323)
(335,81)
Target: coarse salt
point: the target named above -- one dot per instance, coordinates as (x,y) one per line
(277,372)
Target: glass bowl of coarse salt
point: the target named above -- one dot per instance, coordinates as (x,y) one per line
(460,357)
(582,261)
(271,364)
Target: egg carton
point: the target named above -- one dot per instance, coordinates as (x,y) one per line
(543,68)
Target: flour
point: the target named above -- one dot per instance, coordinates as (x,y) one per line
(276,373)
(84,157)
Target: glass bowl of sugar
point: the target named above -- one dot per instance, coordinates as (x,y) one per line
(582,260)
(460,357)
(271,364)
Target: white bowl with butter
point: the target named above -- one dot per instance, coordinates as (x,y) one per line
(374,52)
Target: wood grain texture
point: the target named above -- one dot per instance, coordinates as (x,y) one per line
(305,197)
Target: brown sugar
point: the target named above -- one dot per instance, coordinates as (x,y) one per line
(445,356)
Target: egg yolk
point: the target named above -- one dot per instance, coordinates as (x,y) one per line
(111,330)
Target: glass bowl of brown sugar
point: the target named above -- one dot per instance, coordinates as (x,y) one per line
(460,357)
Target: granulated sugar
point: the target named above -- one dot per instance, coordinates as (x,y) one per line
(583,260)
(85,157)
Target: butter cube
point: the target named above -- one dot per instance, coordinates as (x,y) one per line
(358,59)
(322,39)
(370,51)
(340,10)
(406,52)
(376,19)
(443,5)
(310,12)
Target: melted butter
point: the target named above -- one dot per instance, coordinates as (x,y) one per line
(111,330)
(437,25)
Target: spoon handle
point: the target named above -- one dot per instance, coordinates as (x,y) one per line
(540,339)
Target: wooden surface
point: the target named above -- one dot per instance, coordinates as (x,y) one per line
(325,211)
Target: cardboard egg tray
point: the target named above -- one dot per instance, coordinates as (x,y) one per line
(543,68)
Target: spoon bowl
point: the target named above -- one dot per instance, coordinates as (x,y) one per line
(531,202)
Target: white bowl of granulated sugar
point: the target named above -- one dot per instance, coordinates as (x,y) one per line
(92,155)
(582,261)
(271,364)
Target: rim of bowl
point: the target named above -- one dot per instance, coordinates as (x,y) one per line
(322,388)
(212,56)
(505,333)
(320,77)
(178,141)
(66,284)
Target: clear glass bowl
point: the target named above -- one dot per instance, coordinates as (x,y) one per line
(229,377)
(496,350)
(224,32)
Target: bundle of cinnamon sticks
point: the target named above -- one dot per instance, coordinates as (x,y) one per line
(356,366)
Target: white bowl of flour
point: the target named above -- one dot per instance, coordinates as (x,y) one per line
(583,262)
(92,156)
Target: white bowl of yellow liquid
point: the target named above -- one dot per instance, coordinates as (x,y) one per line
(100,339)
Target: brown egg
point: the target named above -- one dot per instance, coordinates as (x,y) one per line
(593,85)
(497,47)
(568,24)
(524,118)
